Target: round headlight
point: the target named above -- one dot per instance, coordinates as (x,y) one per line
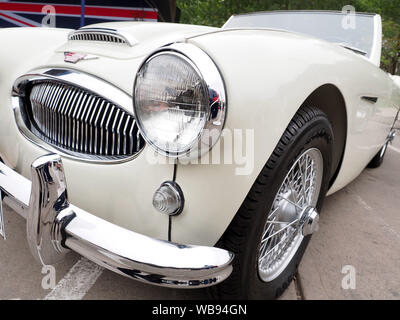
(175,101)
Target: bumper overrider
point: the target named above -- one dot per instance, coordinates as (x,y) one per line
(55,226)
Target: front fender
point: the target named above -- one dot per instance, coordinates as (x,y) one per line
(268,76)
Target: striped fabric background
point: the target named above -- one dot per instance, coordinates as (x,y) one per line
(24,13)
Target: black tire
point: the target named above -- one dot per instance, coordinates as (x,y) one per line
(310,128)
(377,161)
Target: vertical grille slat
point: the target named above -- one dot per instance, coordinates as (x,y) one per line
(64,121)
(41,109)
(59,93)
(36,105)
(125,136)
(78,131)
(82,123)
(108,131)
(114,132)
(93,115)
(46,110)
(60,115)
(75,114)
(102,132)
(120,133)
(131,134)
(71,109)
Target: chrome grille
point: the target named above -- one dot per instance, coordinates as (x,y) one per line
(82,123)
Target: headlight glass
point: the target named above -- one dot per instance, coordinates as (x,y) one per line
(172,103)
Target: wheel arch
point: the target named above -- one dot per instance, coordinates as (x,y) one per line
(329,99)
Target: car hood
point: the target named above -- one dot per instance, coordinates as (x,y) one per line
(147,37)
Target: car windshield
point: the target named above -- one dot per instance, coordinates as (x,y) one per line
(355,32)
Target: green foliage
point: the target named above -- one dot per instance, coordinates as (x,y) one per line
(390,12)
(216,12)
(391,47)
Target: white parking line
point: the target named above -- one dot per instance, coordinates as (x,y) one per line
(77,282)
(363,203)
(394,149)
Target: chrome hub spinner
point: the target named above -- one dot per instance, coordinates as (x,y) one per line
(309,221)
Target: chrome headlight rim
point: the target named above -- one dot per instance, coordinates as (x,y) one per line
(207,69)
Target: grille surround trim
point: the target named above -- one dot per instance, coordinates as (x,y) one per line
(79,81)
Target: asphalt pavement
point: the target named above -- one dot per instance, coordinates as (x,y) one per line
(355,254)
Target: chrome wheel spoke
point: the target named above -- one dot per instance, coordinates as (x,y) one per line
(282,232)
(279,231)
(276,222)
(291,202)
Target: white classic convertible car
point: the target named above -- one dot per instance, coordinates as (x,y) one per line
(126,116)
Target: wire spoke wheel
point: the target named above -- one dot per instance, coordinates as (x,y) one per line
(283,233)
(272,228)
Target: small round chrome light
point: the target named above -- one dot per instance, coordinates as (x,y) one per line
(169,198)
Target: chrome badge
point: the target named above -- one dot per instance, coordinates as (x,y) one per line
(73,57)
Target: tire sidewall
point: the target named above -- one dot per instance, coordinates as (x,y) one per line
(312,135)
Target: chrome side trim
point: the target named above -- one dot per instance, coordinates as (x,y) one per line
(103,35)
(370,99)
(71,78)
(54,226)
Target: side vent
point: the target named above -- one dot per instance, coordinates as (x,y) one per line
(102,35)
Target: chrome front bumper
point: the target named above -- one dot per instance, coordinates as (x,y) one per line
(54,226)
